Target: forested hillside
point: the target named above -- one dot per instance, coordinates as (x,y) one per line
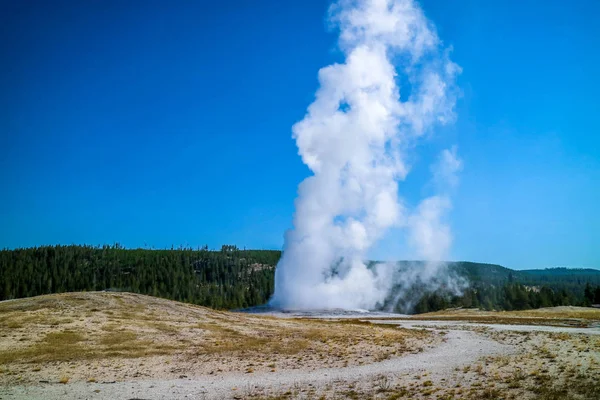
(494,287)
(229,278)
(233,278)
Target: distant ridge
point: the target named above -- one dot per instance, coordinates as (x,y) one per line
(232,278)
(564,270)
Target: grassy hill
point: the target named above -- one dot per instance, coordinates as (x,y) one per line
(103,337)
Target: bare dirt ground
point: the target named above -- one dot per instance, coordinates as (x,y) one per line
(126,346)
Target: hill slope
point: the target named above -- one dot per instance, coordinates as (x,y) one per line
(112,336)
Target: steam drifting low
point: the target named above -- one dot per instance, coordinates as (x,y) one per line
(355,138)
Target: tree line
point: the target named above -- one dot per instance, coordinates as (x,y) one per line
(225,279)
(508,297)
(232,278)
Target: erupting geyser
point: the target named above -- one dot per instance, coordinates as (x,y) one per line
(354,138)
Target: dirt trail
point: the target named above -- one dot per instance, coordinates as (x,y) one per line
(460,347)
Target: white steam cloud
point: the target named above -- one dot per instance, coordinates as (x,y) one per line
(355,138)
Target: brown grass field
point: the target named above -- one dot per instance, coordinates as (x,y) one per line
(86,342)
(111,336)
(551,316)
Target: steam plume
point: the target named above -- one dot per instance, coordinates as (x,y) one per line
(355,138)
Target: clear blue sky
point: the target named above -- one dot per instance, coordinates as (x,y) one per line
(169,123)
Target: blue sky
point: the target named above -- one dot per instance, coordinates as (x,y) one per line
(169,123)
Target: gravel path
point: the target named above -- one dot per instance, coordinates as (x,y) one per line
(461,347)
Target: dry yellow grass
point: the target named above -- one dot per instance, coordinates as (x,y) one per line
(147,336)
(563,312)
(547,367)
(559,316)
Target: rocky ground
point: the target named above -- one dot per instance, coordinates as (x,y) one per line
(125,346)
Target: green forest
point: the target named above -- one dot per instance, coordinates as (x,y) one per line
(225,279)
(232,278)
(510,296)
